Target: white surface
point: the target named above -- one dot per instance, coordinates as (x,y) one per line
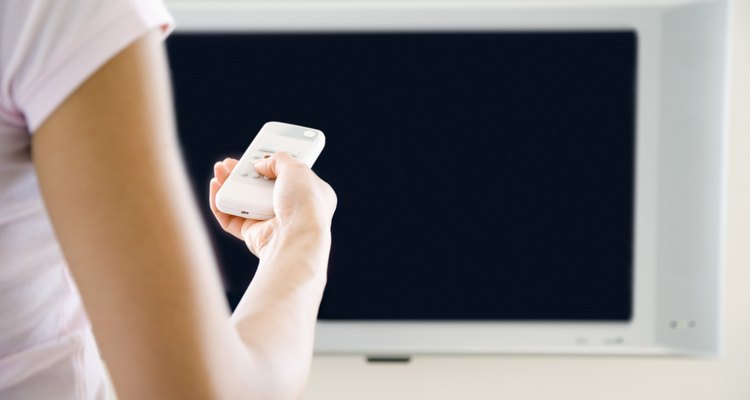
(691,178)
(680,130)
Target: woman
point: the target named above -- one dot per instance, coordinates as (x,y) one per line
(94,200)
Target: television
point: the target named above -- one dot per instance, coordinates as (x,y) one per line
(513,176)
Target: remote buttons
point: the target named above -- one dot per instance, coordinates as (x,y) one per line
(264,153)
(309,134)
(245,170)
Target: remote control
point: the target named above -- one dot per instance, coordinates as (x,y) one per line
(248,194)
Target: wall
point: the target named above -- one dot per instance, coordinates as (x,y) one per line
(580,378)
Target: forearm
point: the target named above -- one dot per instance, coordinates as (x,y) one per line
(276,317)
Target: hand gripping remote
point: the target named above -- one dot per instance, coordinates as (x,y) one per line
(248,194)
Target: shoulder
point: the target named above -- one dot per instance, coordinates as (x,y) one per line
(50,47)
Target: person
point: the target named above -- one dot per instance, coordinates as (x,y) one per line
(98,223)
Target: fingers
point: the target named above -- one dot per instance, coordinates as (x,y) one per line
(229,223)
(256,234)
(230,163)
(275,165)
(222,169)
(223,219)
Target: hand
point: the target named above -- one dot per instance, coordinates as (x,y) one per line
(302,202)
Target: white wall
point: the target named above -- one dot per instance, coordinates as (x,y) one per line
(581,378)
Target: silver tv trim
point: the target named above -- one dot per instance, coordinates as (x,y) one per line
(681,156)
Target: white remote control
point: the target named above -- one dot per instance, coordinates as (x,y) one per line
(248,194)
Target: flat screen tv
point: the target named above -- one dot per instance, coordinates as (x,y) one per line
(513,177)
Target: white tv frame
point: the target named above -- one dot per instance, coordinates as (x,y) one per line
(680,167)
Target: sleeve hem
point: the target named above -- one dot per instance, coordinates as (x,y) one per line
(105,37)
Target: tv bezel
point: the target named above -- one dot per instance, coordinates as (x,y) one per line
(681,130)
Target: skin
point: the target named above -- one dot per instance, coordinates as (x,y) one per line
(116,192)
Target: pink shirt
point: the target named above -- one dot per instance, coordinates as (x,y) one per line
(47,49)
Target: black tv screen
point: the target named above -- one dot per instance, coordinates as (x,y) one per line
(480,176)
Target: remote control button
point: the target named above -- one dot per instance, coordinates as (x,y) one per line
(256,175)
(309,134)
(294,154)
(245,170)
(265,177)
(267,149)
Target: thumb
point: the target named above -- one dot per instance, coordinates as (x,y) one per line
(276,164)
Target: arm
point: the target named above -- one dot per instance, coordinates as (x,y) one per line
(116,192)
(293,250)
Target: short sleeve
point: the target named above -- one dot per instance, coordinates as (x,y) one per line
(52,47)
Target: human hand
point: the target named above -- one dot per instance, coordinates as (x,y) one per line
(303,203)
